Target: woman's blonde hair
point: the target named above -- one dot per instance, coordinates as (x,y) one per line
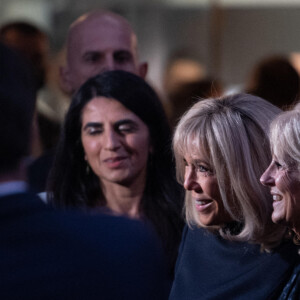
(233,130)
(285,138)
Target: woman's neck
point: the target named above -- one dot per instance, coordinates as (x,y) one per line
(123,200)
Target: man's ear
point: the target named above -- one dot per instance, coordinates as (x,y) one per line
(143,69)
(65,83)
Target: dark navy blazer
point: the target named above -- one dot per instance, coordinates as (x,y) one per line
(210,267)
(46,254)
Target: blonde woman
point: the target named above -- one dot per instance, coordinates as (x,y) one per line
(283,178)
(230,248)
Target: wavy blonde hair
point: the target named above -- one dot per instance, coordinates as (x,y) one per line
(285,137)
(233,130)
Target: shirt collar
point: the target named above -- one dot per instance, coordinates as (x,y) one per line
(12,187)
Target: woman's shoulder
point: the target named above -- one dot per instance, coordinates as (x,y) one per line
(210,261)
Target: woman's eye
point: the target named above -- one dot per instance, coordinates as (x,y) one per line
(125,128)
(278,165)
(94,131)
(202,169)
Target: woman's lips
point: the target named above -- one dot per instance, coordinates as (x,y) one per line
(202,205)
(114,162)
(277,197)
(277,200)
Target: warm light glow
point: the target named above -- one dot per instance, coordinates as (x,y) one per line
(183,71)
(295,60)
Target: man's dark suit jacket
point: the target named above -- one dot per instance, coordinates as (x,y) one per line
(46,254)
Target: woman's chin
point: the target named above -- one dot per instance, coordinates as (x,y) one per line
(278,219)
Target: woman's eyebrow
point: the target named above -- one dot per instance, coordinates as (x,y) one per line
(200,161)
(126,121)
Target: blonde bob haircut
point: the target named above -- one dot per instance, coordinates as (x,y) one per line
(233,131)
(285,138)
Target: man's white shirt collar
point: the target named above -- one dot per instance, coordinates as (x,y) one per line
(12,187)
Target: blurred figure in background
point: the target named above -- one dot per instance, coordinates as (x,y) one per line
(275,79)
(99,41)
(182,68)
(189,93)
(33,44)
(185,80)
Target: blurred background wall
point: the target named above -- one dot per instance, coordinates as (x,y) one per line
(226,37)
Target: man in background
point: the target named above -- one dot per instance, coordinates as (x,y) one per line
(99,41)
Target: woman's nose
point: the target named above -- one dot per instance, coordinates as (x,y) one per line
(267,178)
(190,180)
(112,141)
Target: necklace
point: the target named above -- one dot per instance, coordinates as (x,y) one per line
(296,239)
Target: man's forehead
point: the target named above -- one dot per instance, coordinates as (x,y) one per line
(105,23)
(101,36)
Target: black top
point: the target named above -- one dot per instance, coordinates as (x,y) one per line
(291,290)
(210,267)
(46,254)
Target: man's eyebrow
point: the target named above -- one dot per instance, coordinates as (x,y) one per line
(92,124)
(122,51)
(92,52)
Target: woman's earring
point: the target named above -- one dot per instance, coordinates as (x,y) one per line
(87,169)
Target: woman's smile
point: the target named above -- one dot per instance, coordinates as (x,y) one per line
(202,183)
(115,162)
(203,205)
